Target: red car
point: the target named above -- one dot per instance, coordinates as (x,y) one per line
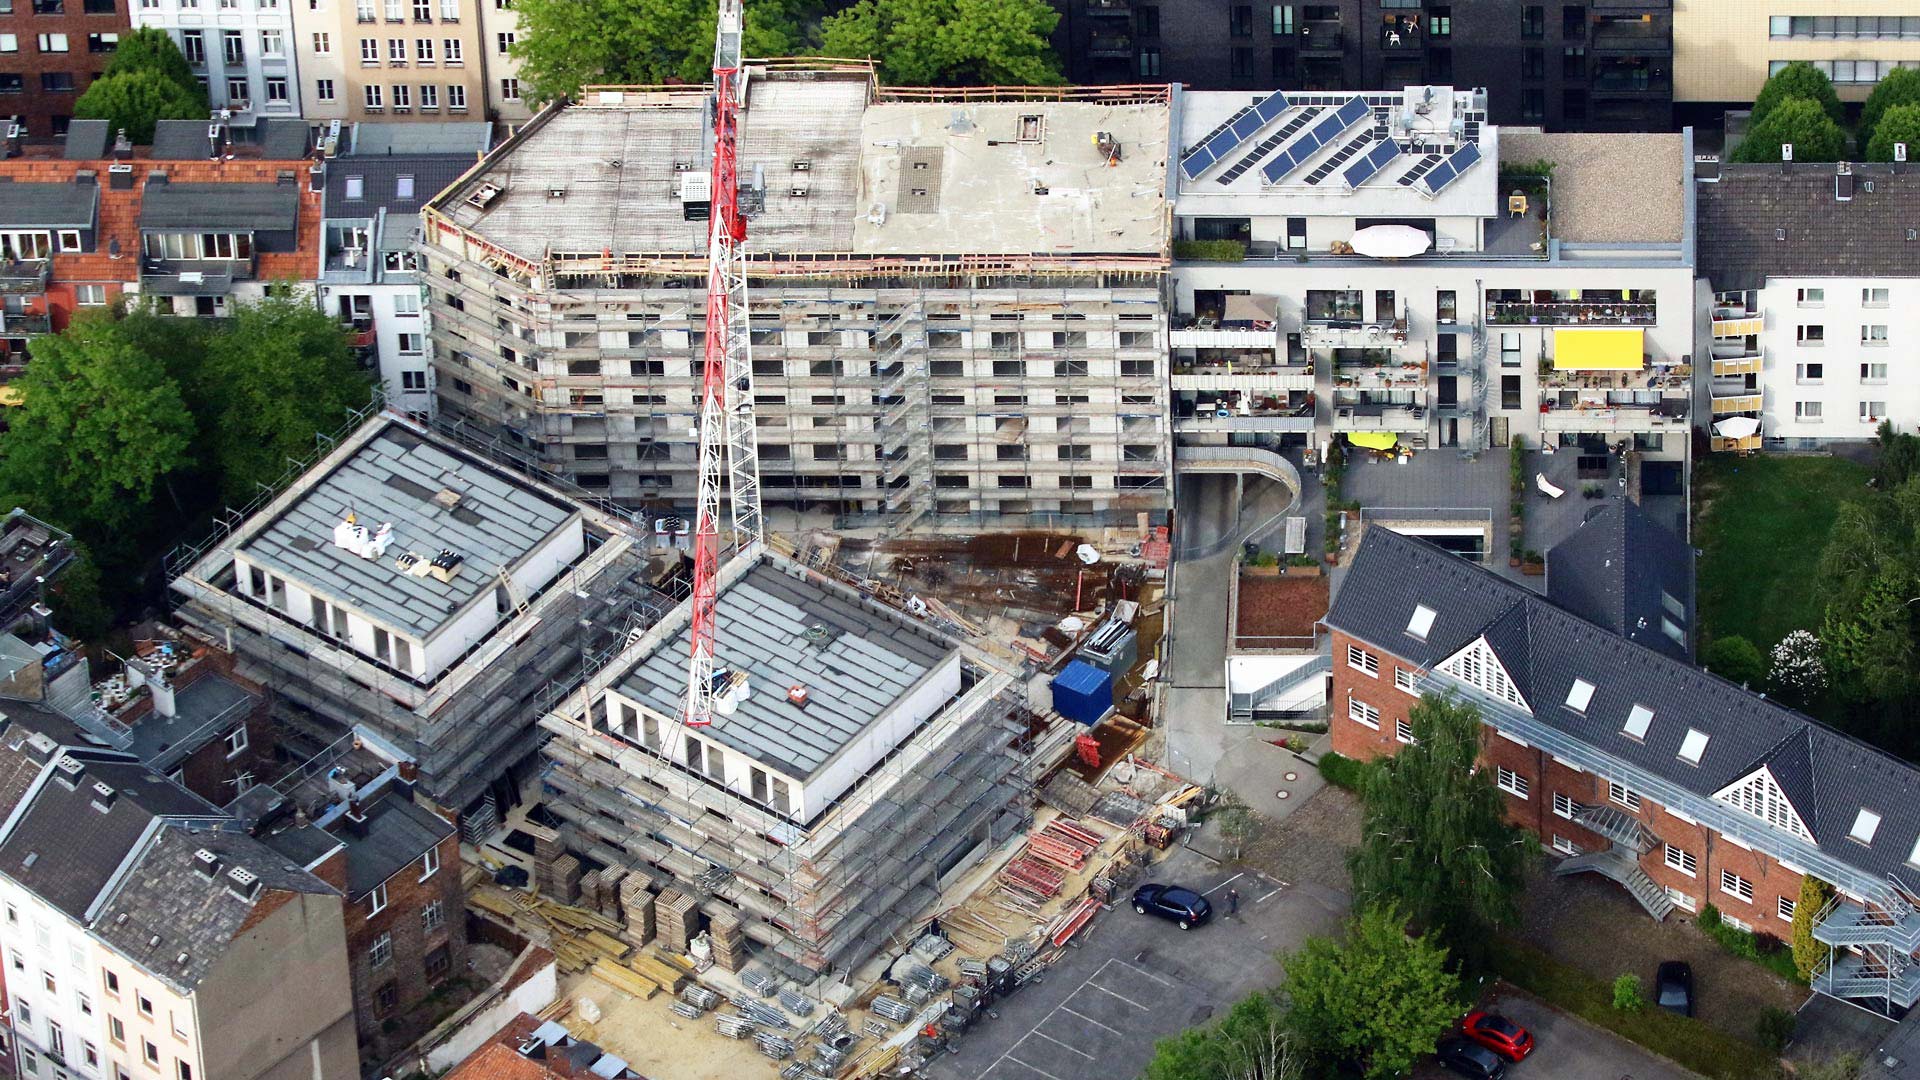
(1498,1034)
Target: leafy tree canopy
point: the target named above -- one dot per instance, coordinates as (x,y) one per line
(1801,121)
(136,101)
(1252,1042)
(1899,124)
(1380,1000)
(949,42)
(152,49)
(1797,80)
(1735,659)
(1901,86)
(1436,841)
(1807,952)
(567,44)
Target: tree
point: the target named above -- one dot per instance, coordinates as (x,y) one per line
(1380,1000)
(1799,121)
(566,44)
(136,101)
(949,42)
(1436,839)
(278,374)
(1626,994)
(1901,86)
(79,603)
(1896,455)
(151,49)
(1900,124)
(1798,664)
(1736,660)
(1871,642)
(1807,953)
(1251,1042)
(1797,80)
(100,425)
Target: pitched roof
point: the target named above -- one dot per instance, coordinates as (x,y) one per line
(397,833)
(88,139)
(379,182)
(551,1053)
(1392,573)
(1614,569)
(1761,221)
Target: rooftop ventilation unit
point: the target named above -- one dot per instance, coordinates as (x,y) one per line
(206,863)
(797,695)
(410,562)
(103,796)
(445,565)
(354,537)
(730,691)
(68,773)
(446,498)
(243,883)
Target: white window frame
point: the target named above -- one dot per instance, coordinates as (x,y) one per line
(1785,907)
(377,900)
(1565,846)
(1363,714)
(1622,794)
(1694,746)
(1511,782)
(1736,886)
(1684,901)
(1865,824)
(429,863)
(323,90)
(1363,661)
(1580,696)
(1403,680)
(1682,860)
(380,953)
(1563,805)
(236,741)
(1403,732)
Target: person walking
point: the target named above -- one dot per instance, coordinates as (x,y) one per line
(1233,903)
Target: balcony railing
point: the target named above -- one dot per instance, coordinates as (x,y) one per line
(26,278)
(1631,82)
(1571,313)
(1720,444)
(12,325)
(1640,36)
(1224,337)
(1110,45)
(1849,923)
(1853,976)
(1372,416)
(1738,365)
(1353,333)
(1324,36)
(1733,404)
(1613,418)
(1735,323)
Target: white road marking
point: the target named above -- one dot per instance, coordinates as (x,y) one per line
(1163,982)
(1022,1064)
(1064,1046)
(1271,895)
(1091,1020)
(1224,884)
(1096,986)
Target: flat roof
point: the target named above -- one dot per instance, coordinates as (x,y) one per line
(259,207)
(397,476)
(1610,187)
(866,661)
(165,741)
(35,205)
(1426,125)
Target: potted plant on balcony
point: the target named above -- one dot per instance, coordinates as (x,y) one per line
(1532,563)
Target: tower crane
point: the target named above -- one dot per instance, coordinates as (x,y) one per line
(726,426)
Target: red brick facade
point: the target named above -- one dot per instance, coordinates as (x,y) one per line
(1360,692)
(418,958)
(52,78)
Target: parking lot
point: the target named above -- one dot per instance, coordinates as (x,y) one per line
(1135,979)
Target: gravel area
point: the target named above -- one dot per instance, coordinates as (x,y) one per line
(1591,923)
(1278,607)
(1309,846)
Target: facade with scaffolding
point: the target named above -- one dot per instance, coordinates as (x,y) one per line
(409,586)
(857,762)
(956,296)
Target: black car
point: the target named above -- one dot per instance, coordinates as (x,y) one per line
(1469,1058)
(1183,906)
(1673,987)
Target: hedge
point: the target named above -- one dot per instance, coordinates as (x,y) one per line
(1343,772)
(1209,250)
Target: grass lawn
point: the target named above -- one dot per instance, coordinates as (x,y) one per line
(1761,523)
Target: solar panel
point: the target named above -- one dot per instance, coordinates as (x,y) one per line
(1228,137)
(1449,170)
(1340,157)
(1265,146)
(1315,138)
(1419,169)
(1363,170)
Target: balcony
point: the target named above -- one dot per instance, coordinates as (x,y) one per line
(1380,373)
(1610,417)
(1720,444)
(1630,82)
(1239,411)
(1250,377)
(1323,36)
(1571,313)
(1738,365)
(1644,36)
(1847,923)
(1736,322)
(195,278)
(1379,416)
(1354,334)
(1403,35)
(27,278)
(1734,404)
(1657,376)
(23,324)
(1224,337)
(1110,46)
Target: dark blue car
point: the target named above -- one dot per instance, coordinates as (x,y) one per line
(1183,906)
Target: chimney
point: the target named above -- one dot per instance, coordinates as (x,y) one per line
(156,178)
(41,748)
(103,796)
(798,695)
(354,821)
(206,864)
(120,176)
(122,146)
(1843,183)
(215,140)
(68,772)
(86,178)
(244,884)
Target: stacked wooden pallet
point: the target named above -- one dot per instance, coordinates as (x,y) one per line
(1063,843)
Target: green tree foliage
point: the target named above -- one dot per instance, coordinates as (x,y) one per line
(1735,659)
(136,101)
(101,425)
(1901,86)
(79,601)
(274,376)
(949,42)
(152,49)
(1436,840)
(1900,124)
(1897,456)
(1868,574)
(1252,1042)
(1799,121)
(1807,953)
(567,44)
(1626,994)
(1379,1000)
(1797,80)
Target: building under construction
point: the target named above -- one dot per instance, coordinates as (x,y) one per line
(857,761)
(956,295)
(436,598)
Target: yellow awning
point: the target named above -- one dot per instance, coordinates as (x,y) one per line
(1373,440)
(1599,350)
(11,396)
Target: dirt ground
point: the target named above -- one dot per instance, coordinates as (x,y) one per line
(1309,845)
(1026,576)
(1278,607)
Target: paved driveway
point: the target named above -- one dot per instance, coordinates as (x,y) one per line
(1097,1012)
(1570,1049)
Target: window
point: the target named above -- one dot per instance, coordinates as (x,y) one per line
(1362,713)
(1807,411)
(509,89)
(233,46)
(1639,719)
(1404,680)
(276,88)
(1734,885)
(1623,795)
(1564,846)
(89,1054)
(84,1002)
(429,863)
(1873,373)
(1563,806)
(377,901)
(1693,746)
(1579,695)
(429,96)
(113,983)
(373,95)
(194,46)
(452,50)
(422,10)
(323,89)
(1512,783)
(505,41)
(1785,908)
(9,43)
(1810,334)
(413,380)
(236,740)
(1873,297)
(323,44)
(410,344)
(1865,824)
(423,50)
(53,43)
(1682,861)
(1810,297)
(150,1051)
(273,43)
(49,982)
(456,96)
(22,1013)
(1422,622)
(402,97)
(432,917)
(145,1006)
(1810,374)
(397,50)
(1533,21)
(381,953)
(1760,797)
(56,1040)
(1403,731)
(369,51)
(102,43)
(1362,660)
(1874,334)
(1872,411)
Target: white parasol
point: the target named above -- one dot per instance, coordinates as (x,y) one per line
(1391,241)
(1737,427)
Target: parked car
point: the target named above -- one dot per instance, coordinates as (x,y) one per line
(1183,906)
(1469,1058)
(1673,987)
(1498,1034)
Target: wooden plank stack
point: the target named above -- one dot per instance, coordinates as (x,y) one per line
(611,878)
(564,880)
(636,901)
(729,942)
(677,918)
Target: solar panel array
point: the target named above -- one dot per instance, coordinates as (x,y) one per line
(1449,170)
(1340,157)
(1315,139)
(1420,169)
(1281,134)
(1376,159)
(1228,136)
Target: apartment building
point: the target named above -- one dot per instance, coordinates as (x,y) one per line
(1635,765)
(956,302)
(50,52)
(400,60)
(136,932)
(242,51)
(369,272)
(1723,50)
(1402,282)
(1815,274)
(1601,66)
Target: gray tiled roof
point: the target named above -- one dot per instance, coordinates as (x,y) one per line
(394,478)
(871,660)
(48,206)
(258,207)
(180,140)
(380,175)
(1829,778)
(1613,569)
(1739,218)
(88,140)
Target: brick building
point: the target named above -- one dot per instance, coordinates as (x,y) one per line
(56,49)
(1633,764)
(528,1048)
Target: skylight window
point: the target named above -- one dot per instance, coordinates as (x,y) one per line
(1638,721)
(1580,695)
(1422,621)
(1694,745)
(1914,859)
(1864,826)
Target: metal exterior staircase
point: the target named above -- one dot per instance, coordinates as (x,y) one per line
(1242,706)
(905,425)
(1616,865)
(1477,391)
(1617,825)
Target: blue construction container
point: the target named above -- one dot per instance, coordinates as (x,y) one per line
(1083,692)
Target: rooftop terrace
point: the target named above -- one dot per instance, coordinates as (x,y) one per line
(1611,187)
